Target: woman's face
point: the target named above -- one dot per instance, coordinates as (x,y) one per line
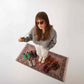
(41,23)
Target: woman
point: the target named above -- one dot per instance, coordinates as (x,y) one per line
(43,35)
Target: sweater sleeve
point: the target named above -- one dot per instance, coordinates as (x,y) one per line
(29,36)
(53,41)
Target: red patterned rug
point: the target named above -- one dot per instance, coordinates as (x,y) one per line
(57,73)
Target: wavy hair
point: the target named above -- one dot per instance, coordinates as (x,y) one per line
(38,31)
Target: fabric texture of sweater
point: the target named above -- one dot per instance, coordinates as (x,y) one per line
(48,44)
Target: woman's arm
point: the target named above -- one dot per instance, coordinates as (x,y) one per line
(53,41)
(28,37)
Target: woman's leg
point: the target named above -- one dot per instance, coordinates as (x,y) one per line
(44,53)
(38,51)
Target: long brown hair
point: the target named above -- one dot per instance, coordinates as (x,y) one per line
(38,31)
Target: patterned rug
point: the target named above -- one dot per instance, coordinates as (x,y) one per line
(60,63)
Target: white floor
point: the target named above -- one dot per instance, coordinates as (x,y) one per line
(17,18)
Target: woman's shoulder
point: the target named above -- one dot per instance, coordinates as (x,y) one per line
(32,29)
(52,29)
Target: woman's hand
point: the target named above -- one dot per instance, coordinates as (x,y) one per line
(21,39)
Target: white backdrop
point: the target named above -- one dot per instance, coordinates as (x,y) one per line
(17,18)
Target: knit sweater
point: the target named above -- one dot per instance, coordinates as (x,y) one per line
(48,44)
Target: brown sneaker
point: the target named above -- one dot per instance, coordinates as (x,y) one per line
(55,66)
(49,60)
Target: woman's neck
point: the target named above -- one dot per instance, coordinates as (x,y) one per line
(43,31)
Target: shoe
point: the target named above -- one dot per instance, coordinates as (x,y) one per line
(33,62)
(46,68)
(32,55)
(35,55)
(28,55)
(49,60)
(43,60)
(25,57)
(55,66)
(40,58)
(29,62)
